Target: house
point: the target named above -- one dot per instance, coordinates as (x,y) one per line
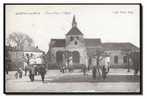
(119,53)
(83,49)
(18,57)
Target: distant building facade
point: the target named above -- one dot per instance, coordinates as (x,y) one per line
(83,49)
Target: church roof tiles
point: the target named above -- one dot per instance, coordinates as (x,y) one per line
(96,43)
(119,46)
(92,42)
(74,31)
(88,42)
(57,42)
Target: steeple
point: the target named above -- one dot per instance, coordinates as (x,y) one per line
(74,23)
(74,30)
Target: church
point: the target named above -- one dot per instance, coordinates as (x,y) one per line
(83,49)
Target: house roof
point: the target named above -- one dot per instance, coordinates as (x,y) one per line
(96,43)
(74,31)
(92,42)
(32,49)
(88,42)
(57,42)
(26,49)
(119,46)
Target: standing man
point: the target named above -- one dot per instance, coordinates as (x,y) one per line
(25,68)
(42,68)
(32,72)
(136,62)
(20,71)
(107,63)
(105,66)
(89,63)
(84,69)
(94,72)
(94,63)
(42,71)
(70,64)
(104,72)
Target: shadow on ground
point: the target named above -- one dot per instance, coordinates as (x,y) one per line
(88,78)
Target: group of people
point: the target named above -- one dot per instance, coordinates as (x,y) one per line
(34,67)
(33,70)
(67,64)
(37,66)
(101,66)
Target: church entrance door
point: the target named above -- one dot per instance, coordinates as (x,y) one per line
(76,57)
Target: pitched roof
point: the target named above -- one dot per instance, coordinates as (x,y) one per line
(26,49)
(32,49)
(57,42)
(88,42)
(119,46)
(74,31)
(92,42)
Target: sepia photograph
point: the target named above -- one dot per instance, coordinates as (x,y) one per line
(77,48)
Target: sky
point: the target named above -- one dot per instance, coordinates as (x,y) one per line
(111,23)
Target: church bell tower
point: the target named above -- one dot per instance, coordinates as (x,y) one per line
(74,35)
(75,44)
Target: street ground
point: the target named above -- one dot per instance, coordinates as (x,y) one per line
(118,80)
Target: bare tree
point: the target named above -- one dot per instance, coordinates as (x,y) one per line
(19,40)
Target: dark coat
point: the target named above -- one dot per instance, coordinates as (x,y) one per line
(94,72)
(42,70)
